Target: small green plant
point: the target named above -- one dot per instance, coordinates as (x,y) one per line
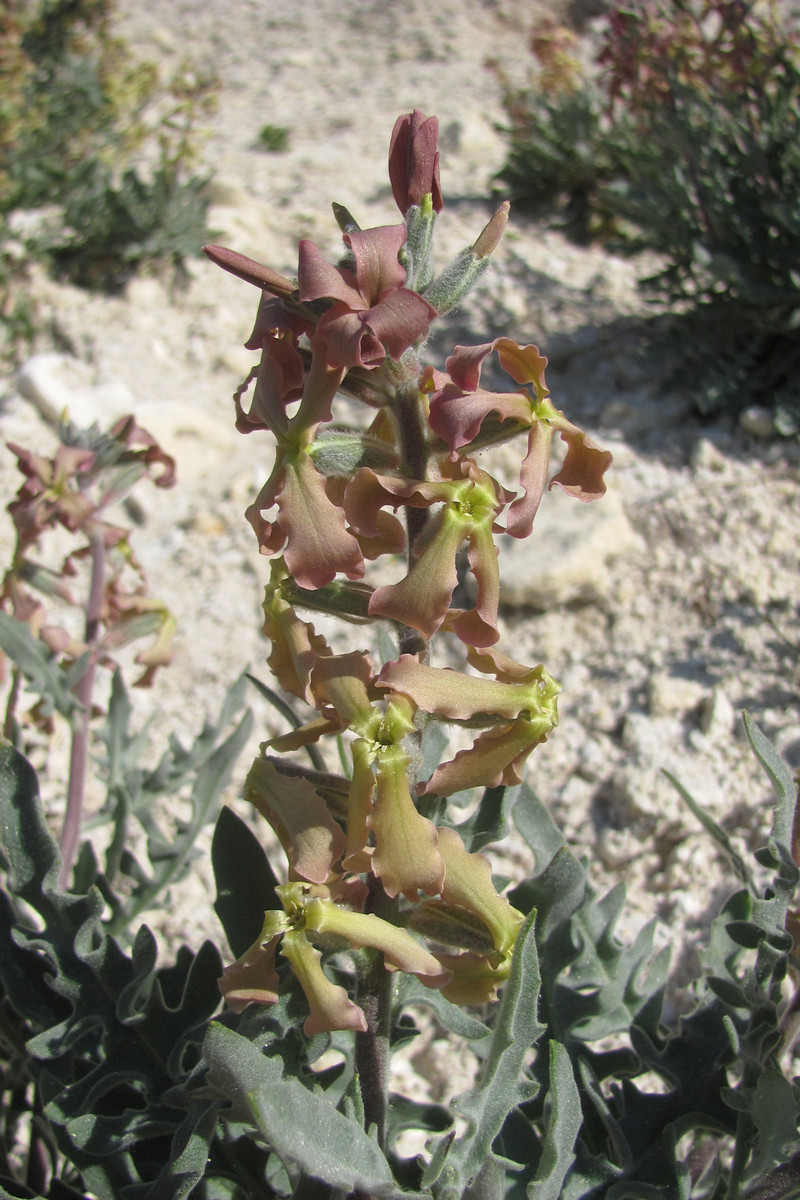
(274,138)
(107,148)
(685,141)
(123,1077)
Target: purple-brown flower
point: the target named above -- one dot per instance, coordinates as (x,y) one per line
(309,524)
(519,705)
(373,314)
(471,502)
(459,408)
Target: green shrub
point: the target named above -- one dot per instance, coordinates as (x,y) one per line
(686,142)
(106,146)
(273,138)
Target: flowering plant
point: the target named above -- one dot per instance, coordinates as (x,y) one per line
(362,431)
(123,1080)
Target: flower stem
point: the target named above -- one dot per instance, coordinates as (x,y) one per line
(374,995)
(374,982)
(84,690)
(414,457)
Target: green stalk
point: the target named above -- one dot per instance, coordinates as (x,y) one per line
(374,984)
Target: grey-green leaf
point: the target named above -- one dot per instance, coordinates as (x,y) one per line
(499,1088)
(304,1128)
(563,1128)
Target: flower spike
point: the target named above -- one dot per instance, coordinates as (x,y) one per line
(376,457)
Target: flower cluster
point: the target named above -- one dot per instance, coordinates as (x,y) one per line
(71,491)
(402,476)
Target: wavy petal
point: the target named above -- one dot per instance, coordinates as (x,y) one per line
(533,480)
(581,474)
(457,416)
(252,979)
(406,857)
(340,682)
(320,280)
(401,951)
(468,883)
(310,837)
(400,318)
(523,363)
(495,758)
(378,267)
(452,694)
(474,979)
(279,381)
(422,599)
(331,1007)
(318,545)
(296,645)
(349,341)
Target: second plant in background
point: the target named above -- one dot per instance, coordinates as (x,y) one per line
(683,139)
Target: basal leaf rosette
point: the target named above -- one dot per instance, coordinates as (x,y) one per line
(459,406)
(518,706)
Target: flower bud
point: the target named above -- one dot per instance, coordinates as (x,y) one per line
(414,161)
(467,267)
(340,452)
(250,271)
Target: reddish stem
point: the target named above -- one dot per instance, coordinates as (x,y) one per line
(84,691)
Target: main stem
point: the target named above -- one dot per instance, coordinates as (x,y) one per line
(374,983)
(374,986)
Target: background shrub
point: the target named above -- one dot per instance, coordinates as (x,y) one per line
(106,146)
(684,140)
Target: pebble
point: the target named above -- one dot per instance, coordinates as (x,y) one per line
(758,421)
(717,715)
(671,695)
(706,457)
(58,384)
(567,559)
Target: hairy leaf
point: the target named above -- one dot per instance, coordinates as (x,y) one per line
(562,1128)
(304,1128)
(500,1087)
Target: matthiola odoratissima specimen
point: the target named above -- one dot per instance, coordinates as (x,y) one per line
(366,865)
